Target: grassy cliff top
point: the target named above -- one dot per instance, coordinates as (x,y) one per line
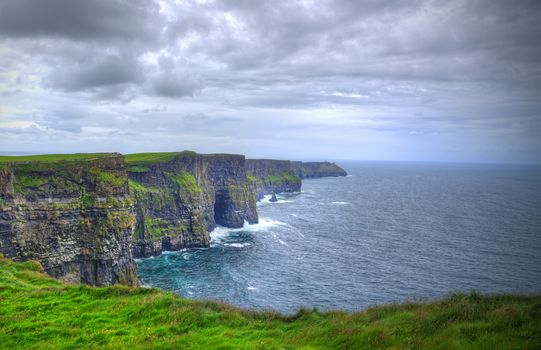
(134,158)
(38,312)
(154,157)
(52,157)
(161,157)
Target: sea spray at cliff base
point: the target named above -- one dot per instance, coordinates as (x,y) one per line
(408,231)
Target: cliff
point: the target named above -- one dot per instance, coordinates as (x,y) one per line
(317,169)
(181,197)
(268,176)
(74,215)
(85,217)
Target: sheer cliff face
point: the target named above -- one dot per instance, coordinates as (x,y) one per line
(85,219)
(75,217)
(269,176)
(317,169)
(182,197)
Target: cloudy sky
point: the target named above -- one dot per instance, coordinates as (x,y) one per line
(344,79)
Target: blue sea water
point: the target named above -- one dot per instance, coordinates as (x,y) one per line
(389,232)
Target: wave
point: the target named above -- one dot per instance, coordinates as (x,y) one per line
(220,233)
(340,202)
(265,200)
(282,198)
(167,252)
(237,245)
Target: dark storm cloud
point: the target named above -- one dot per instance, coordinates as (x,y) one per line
(420,67)
(296,41)
(97,72)
(176,85)
(79,19)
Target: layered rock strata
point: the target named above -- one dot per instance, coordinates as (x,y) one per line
(75,217)
(181,197)
(268,176)
(86,217)
(317,169)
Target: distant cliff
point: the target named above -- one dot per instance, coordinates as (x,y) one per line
(180,197)
(85,217)
(317,169)
(269,176)
(74,216)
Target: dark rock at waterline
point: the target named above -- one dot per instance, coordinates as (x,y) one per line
(273,198)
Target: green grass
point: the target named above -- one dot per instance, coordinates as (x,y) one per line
(137,169)
(25,182)
(108,177)
(186,182)
(141,188)
(252,178)
(157,228)
(282,178)
(37,312)
(87,200)
(52,157)
(159,157)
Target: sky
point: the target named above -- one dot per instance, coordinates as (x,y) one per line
(404,80)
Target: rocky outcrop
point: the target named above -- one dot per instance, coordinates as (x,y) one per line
(317,169)
(85,217)
(181,197)
(269,176)
(76,217)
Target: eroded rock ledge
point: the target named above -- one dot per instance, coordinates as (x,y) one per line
(86,217)
(181,197)
(75,217)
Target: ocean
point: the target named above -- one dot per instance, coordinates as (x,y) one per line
(389,232)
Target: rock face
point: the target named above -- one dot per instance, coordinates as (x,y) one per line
(85,217)
(75,217)
(317,169)
(269,176)
(181,197)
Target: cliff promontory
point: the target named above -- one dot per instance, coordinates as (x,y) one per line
(317,169)
(85,217)
(74,215)
(181,197)
(268,176)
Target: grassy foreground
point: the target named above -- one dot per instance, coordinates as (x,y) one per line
(38,312)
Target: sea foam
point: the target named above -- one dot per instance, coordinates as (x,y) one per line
(220,233)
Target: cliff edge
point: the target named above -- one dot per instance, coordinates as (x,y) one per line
(85,217)
(75,216)
(181,197)
(317,169)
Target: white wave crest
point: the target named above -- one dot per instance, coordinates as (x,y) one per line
(220,233)
(342,203)
(237,245)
